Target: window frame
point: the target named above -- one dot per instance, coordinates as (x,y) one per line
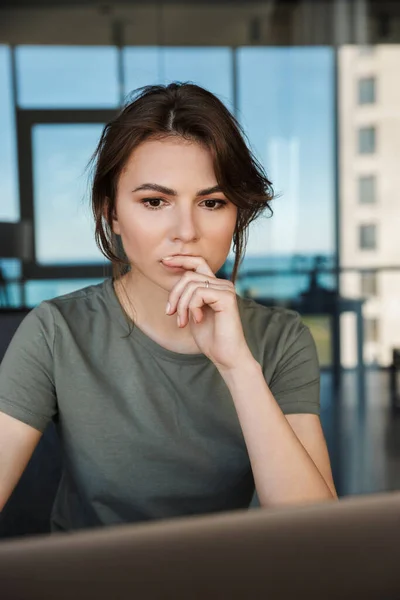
(26,120)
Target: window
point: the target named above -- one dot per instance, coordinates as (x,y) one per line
(371,330)
(366,90)
(367,237)
(46,289)
(63,219)
(9,205)
(366,50)
(10,273)
(67,77)
(289,123)
(368,283)
(367,189)
(366,140)
(210,67)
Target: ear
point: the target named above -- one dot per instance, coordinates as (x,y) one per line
(114,222)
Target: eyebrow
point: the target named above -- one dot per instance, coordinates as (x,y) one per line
(168,191)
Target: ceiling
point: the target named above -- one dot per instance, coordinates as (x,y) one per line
(110,3)
(200,22)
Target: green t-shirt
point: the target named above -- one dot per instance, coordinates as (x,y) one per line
(146,433)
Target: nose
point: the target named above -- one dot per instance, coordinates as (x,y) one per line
(185,226)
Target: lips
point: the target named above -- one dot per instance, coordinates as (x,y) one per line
(180,254)
(171,268)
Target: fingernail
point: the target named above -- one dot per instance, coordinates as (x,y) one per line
(168,308)
(168,258)
(179,321)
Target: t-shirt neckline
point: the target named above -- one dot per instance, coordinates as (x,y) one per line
(142,338)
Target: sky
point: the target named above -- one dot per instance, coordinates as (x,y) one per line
(285,104)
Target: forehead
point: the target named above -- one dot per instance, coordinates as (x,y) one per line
(170,155)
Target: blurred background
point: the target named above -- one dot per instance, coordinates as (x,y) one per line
(316,86)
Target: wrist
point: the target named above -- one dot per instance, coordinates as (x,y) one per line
(244,369)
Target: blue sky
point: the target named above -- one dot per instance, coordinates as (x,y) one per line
(285,98)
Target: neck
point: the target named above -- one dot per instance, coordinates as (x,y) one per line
(145,303)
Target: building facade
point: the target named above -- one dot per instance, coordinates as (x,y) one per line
(369,190)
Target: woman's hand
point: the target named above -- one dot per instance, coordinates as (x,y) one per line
(212,313)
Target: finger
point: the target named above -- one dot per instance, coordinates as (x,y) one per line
(217,299)
(184,301)
(192,263)
(186,278)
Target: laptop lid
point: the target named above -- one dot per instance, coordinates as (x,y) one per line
(330,550)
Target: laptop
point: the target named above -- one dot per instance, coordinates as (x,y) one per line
(330,550)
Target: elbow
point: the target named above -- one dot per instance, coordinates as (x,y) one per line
(327,495)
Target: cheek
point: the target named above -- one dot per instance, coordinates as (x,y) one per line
(140,240)
(223,231)
(136,227)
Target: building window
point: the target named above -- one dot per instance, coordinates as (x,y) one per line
(67,76)
(366,189)
(366,50)
(371,330)
(368,283)
(367,237)
(366,90)
(366,140)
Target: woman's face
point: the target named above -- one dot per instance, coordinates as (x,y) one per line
(166,205)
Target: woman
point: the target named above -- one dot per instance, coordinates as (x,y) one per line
(171,394)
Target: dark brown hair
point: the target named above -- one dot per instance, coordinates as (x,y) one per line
(192,113)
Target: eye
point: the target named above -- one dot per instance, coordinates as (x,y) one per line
(146,201)
(221,204)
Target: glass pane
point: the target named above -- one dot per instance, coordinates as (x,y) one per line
(368,237)
(366,189)
(368,283)
(37,291)
(9,201)
(366,140)
(141,67)
(67,77)
(286,107)
(371,330)
(208,67)
(366,50)
(280,278)
(10,273)
(321,330)
(64,227)
(366,90)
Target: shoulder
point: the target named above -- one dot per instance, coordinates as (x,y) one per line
(74,310)
(88,293)
(276,320)
(78,302)
(274,333)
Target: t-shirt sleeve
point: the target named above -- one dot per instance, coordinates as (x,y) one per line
(295,383)
(27,390)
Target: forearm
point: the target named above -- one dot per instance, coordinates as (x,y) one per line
(284,472)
